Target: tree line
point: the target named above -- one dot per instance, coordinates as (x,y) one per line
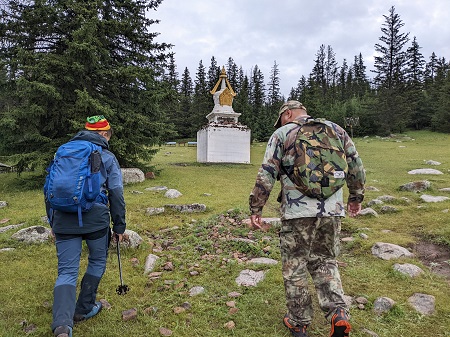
(64,60)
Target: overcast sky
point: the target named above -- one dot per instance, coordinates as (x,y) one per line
(290,32)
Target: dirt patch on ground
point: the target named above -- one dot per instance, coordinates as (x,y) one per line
(436,257)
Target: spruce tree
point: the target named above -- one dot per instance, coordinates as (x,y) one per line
(389,65)
(71,59)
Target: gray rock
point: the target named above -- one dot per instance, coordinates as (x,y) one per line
(368,332)
(445,189)
(7,228)
(157,188)
(3,204)
(386,198)
(372,188)
(382,305)
(425,171)
(388,251)
(34,234)
(363,236)
(262,260)
(432,198)
(190,208)
(197,290)
(432,162)
(172,194)
(250,278)
(154,210)
(131,239)
(7,249)
(416,186)
(137,192)
(408,269)
(374,202)
(368,212)
(422,303)
(388,209)
(150,262)
(132,175)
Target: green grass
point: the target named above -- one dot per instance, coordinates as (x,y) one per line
(200,243)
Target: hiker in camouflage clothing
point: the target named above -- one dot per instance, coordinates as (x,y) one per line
(309,234)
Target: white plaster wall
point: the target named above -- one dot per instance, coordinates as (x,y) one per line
(217,144)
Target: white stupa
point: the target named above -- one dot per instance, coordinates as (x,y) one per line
(223,139)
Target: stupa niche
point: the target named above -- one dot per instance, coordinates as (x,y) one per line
(223,139)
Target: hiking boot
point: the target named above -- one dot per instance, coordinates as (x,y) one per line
(340,326)
(296,331)
(95,310)
(63,331)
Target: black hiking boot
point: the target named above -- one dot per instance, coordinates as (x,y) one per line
(296,331)
(340,326)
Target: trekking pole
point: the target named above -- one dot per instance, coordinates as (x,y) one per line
(122,289)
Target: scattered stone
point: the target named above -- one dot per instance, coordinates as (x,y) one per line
(150,310)
(34,234)
(190,208)
(165,230)
(388,251)
(150,263)
(154,210)
(3,204)
(132,175)
(2,221)
(186,305)
(243,240)
(172,194)
(105,304)
(386,198)
(372,188)
(194,273)
(374,202)
(155,275)
(231,304)
(157,188)
(232,311)
(388,210)
(206,194)
(431,198)
(129,314)
(165,332)
(425,171)
(445,189)
(386,231)
(432,163)
(30,328)
(361,300)
(348,239)
(250,278)
(229,325)
(137,192)
(368,212)
(234,294)
(382,305)
(179,310)
(197,290)
(134,261)
(168,266)
(7,249)
(7,228)
(262,260)
(370,333)
(424,304)
(408,269)
(130,239)
(416,186)
(363,236)
(150,175)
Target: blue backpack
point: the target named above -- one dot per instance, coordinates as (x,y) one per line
(73,181)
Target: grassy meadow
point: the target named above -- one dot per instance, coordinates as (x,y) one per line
(202,243)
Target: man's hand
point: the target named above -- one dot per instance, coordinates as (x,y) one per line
(353,208)
(255,221)
(118,237)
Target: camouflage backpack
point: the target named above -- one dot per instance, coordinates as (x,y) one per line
(320,166)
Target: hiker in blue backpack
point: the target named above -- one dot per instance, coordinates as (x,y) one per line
(99,203)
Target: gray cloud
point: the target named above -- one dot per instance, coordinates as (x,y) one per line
(290,32)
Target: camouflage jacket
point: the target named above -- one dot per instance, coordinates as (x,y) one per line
(280,151)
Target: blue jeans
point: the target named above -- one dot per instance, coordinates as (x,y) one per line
(68,249)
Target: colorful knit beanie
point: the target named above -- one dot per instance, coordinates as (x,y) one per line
(97,123)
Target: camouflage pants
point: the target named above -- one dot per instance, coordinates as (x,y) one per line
(310,246)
